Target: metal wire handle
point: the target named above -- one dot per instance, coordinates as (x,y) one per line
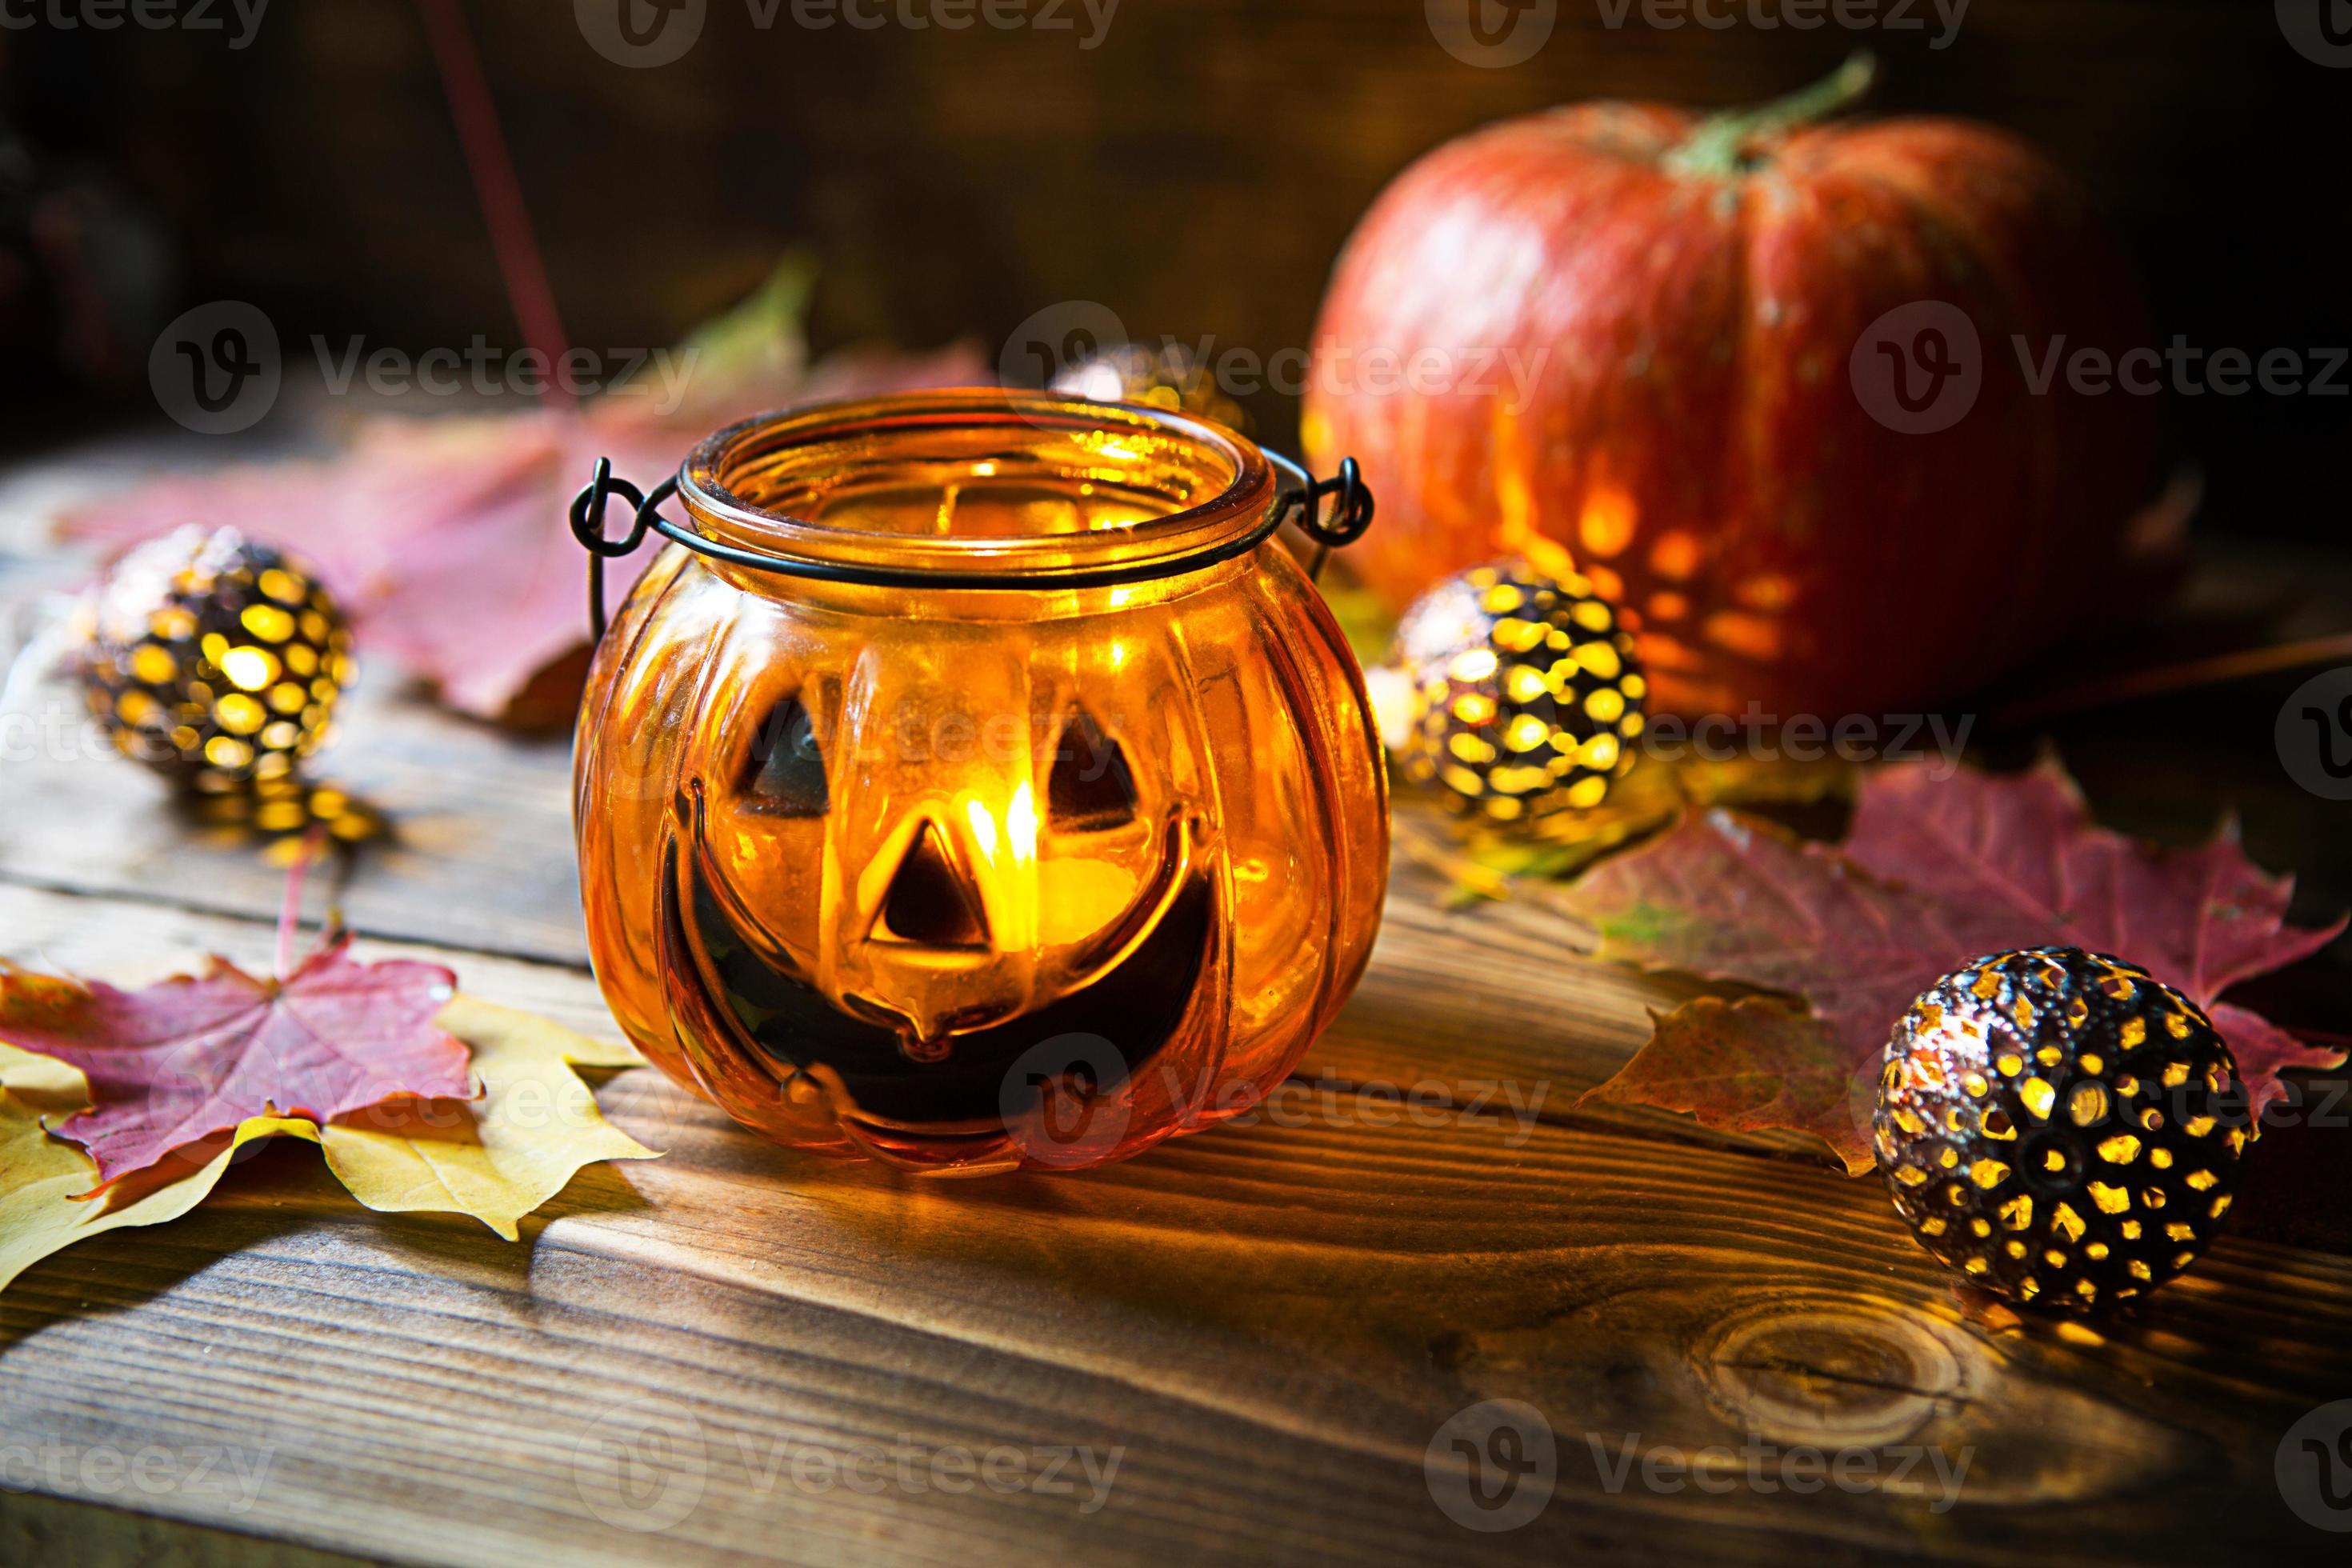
(1302,503)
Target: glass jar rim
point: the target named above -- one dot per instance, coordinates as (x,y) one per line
(1227,521)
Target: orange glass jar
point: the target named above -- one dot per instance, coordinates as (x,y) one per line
(974,783)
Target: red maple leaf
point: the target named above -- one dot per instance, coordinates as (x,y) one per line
(195,1055)
(2201,919)
(1935,873)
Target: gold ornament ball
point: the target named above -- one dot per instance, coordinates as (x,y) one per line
(214,660)
(1520,692)
(2061,1127)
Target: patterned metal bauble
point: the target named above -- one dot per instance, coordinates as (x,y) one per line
(1165,377)
(281,814)
(1522,693)
(2060,1127)
(214,660)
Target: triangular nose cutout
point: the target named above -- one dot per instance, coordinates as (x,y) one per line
(928,903)
(1090,786)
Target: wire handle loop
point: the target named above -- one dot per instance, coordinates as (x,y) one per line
(1346,521)
(588,528)
(1301,502)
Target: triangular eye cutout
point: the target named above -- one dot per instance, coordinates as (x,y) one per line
(928,903)
(785,773)
(1090,786)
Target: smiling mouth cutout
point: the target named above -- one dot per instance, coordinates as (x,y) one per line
(1137,1004)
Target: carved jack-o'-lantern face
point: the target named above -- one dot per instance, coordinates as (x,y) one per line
(905,937)
(927,866)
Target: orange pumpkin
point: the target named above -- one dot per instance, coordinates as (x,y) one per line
(1029,815)
(1622,340)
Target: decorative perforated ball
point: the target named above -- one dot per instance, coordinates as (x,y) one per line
(1521,691)
(1170,377)
(281,813)
(2060,1127)
(214,660)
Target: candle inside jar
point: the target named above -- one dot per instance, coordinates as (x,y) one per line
(983,507)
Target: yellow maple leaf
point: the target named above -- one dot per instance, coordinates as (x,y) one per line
(44,1180)
(43,1083)
(497,1157)
(501,1155)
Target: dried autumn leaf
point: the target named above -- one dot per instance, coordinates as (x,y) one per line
(445,538)
(498,1157)
(197,1055)
(45,1183)
(1749,1066)
(2201,920)
(1936,872)
(55,1088)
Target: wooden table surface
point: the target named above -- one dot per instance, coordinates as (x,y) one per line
(734,1353)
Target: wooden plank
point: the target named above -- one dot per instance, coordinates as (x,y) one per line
(480,855)
(1270,1324)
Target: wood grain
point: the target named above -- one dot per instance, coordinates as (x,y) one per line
(481,856)
(1269,1321)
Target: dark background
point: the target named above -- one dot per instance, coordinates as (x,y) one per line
(1198,174)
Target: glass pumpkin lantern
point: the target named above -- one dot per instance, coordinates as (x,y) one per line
(974,783)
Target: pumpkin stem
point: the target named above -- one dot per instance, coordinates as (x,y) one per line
(1719,145)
